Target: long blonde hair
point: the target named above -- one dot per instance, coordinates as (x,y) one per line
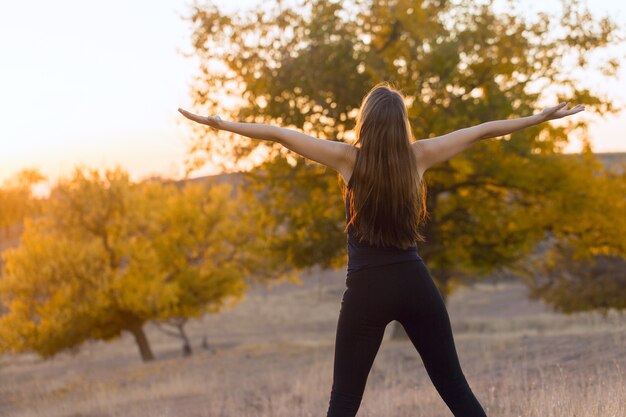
(387,196)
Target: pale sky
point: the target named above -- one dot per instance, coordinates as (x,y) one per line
(98,83)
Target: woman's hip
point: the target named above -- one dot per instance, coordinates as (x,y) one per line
(387,273)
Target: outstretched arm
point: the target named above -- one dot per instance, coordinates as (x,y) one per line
(327,152)
(432,151)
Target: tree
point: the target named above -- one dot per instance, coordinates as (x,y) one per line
(208,238)
(17,200)
(108,256)
(570,284)
(581,265)
(458,63)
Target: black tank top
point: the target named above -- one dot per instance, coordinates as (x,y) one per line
(362,255)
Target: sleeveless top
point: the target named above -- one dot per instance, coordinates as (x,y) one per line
(363,255)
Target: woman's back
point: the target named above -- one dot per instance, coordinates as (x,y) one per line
(363,255)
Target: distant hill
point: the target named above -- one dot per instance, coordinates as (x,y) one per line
(613,160)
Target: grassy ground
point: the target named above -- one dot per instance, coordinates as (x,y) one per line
(272,355)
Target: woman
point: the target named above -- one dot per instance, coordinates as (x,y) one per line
(385,203)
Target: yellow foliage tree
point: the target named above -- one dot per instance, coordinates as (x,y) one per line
(17,201)
(108,255)
(581,264)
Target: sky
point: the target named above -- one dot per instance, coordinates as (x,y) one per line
(98,83)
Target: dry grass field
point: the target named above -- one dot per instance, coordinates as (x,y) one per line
(272,356)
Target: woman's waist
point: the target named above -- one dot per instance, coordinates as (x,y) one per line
(375,269)
(353,244)
(376,255)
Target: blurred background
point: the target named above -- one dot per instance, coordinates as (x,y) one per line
(152,266)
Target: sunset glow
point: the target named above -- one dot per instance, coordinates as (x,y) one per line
(98,83)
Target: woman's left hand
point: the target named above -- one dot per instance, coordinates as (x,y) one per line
(212,121)
(559,111)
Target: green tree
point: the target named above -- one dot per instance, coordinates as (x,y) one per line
(458,64)
(109,255)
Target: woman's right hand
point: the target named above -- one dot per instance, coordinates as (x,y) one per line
(212,121)
(559,111)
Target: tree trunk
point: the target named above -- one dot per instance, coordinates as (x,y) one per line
(187,351)
(142,342)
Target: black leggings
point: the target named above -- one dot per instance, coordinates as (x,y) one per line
(404,292)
